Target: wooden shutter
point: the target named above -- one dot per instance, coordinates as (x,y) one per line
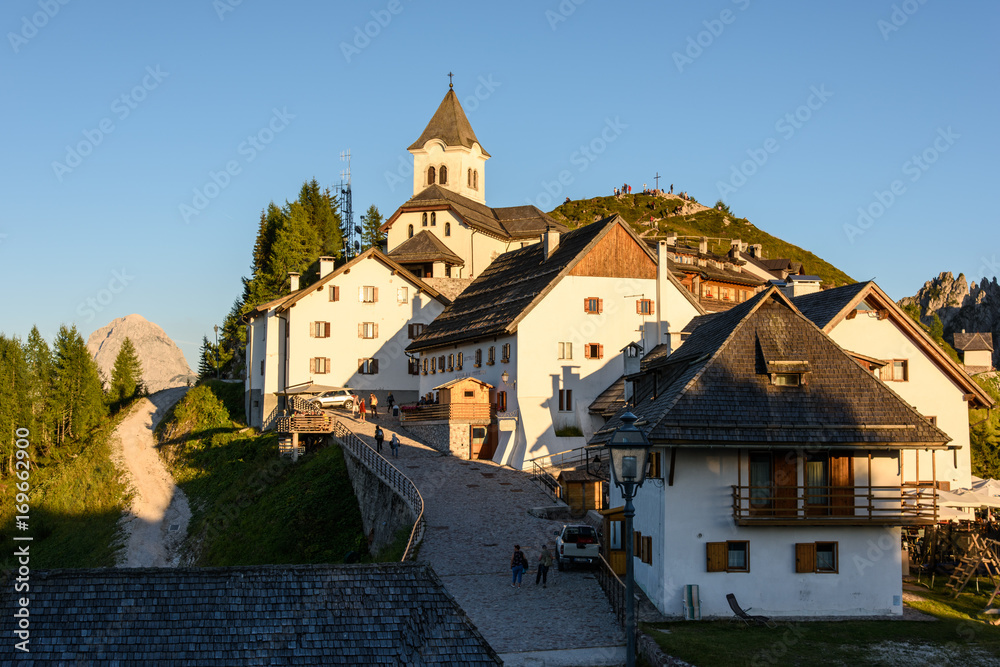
(717,556)
(409,331)
(375,332)
(361,366)
(647,549)
(636,543)
(586,305)
(326,329)
(805,557)
(326,365)
(654,465)
(562,401)
(600,351)
(842,481)
(375,296)
(600,305)
(586,351)
(638,306)
(374,366)
(312,366)
(361,329)
(785,483)
(336,292)
(361,294)
(312,329)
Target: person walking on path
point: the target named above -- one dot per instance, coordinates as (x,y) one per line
(544,563)
(361,408)
(379,439)
(373,402)
(390,401)
(394,445)
(518,564)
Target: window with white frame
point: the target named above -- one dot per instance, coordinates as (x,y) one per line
(368,294)
(368,330)
(565,350)
(402,294)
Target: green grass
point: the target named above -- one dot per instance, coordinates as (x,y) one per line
(75,503)
(249,506)
(711,223)
(960,636)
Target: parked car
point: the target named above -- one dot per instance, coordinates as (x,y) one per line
(336,398)
(577,543)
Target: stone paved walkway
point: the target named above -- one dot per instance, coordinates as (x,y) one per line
(476,512)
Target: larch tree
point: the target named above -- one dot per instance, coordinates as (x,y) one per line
(371,234)
(77,387)
(126,376)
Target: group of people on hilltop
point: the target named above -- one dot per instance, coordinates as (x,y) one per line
(626,189)
(519,565)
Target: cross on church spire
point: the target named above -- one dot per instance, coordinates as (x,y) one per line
(450,84)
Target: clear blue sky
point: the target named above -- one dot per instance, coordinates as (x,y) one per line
(691,91)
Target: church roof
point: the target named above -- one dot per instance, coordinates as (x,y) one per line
(450,125)
(716,389)
(512,222)
(425,247)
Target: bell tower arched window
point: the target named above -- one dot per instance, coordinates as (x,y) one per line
(475,180)
(470,178)
(423,220)
(443,176)
(430,175)
(409,232)
(433,219)
(447,229)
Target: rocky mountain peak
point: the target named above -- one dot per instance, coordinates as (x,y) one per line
(163,363)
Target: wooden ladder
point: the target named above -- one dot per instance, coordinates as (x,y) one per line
(980,552)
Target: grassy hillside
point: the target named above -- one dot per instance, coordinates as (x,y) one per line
(710,222)
(249,506)
(75,505)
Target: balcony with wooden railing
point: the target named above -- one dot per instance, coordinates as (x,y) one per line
(903,505)
(463,412)
(311,423)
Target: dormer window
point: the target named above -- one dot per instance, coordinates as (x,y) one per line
(431,174)
(786,379)
(443,177)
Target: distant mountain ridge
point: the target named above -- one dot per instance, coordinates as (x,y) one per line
(163,363)
(686,217)
(961,306)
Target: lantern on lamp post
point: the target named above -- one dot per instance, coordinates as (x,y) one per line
(629,449)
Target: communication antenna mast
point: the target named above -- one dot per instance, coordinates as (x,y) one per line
(352,241)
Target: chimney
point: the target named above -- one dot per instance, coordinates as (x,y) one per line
(703,246)
(293,280)
(661,290)
(550,241)
(325,266)
(755,251)
(734,249)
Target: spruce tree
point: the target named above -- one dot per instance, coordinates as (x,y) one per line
(206,360)
(77,387)
(38,389)
(14,410)
(126,376)
(371,235)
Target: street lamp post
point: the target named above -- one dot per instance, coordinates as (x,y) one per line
(216,327)
(629,453)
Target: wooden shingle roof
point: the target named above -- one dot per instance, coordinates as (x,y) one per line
(716,389)
(513,222)
(610,401)
(973,342)
(425,247)
(387,613)
(511,286)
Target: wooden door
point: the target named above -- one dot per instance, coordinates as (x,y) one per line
(786,481)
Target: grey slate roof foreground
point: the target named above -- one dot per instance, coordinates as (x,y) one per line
(381,614)
(716,389)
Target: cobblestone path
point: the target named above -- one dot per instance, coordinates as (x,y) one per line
(476,512)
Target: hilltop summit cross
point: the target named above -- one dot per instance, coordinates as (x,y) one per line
(657,177)
(450,84)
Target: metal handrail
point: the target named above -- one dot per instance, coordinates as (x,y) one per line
(613,588)
(392,476)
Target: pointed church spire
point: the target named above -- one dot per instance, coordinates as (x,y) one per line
(450,125)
